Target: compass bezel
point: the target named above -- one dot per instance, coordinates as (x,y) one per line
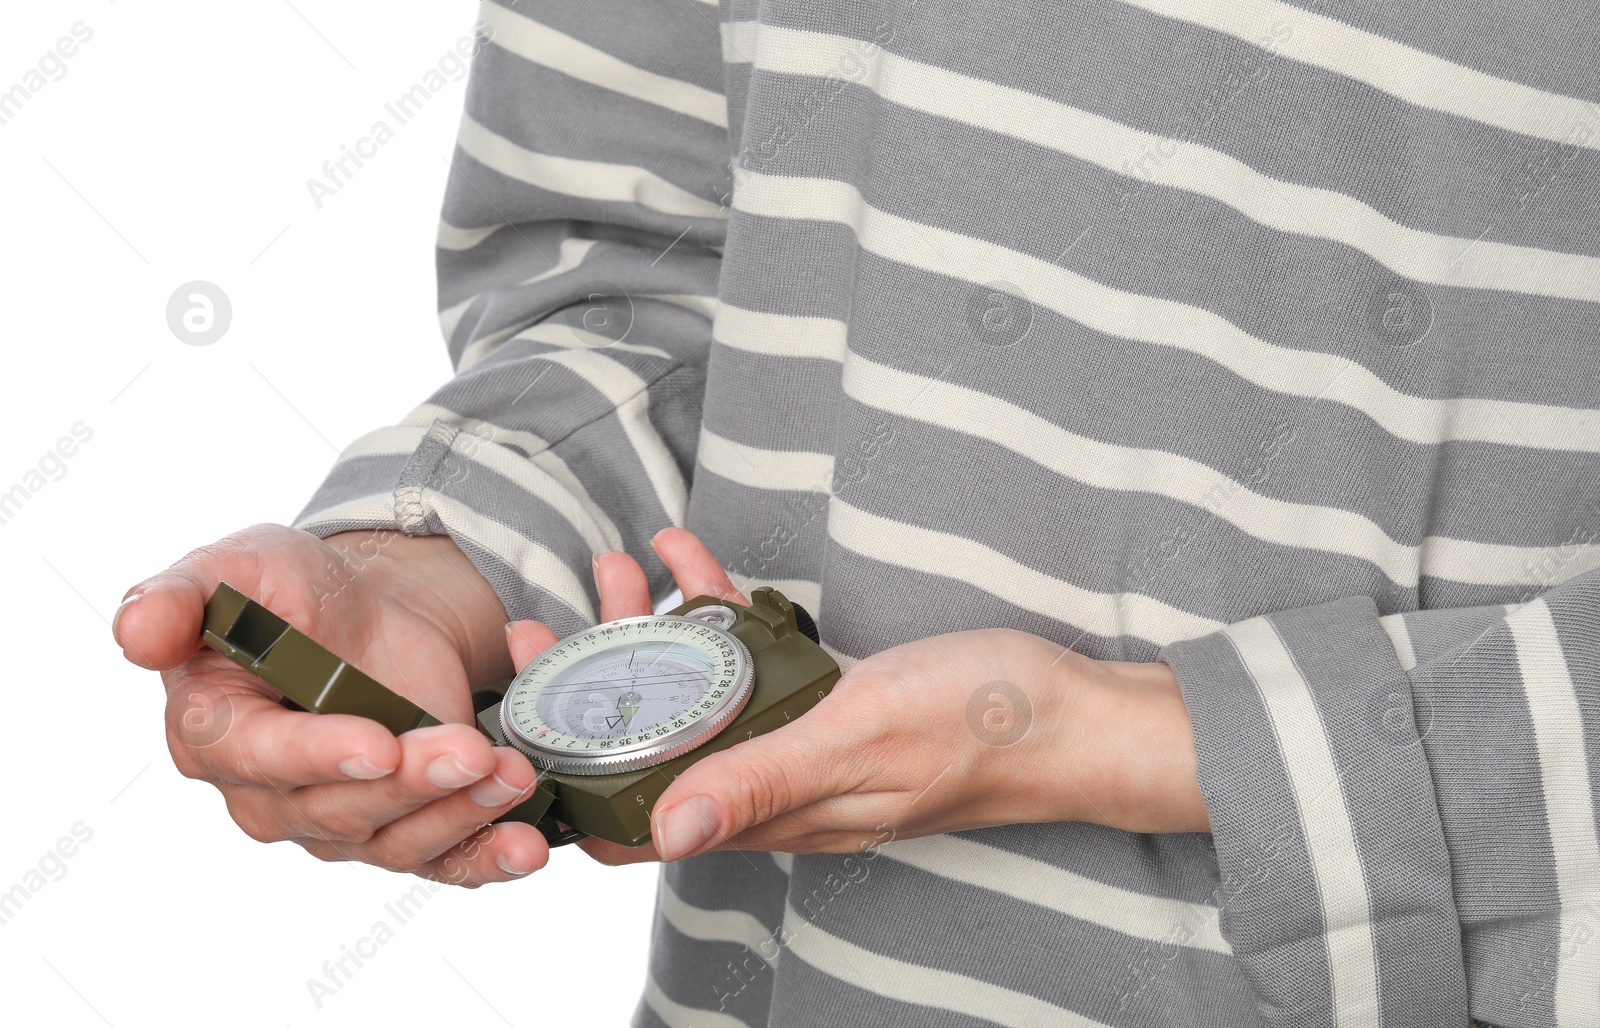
(702,725)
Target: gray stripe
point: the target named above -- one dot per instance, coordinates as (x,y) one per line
(810,388)
(806,998)
(763,535)
(675,38)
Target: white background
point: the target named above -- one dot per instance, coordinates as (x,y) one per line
(177,147)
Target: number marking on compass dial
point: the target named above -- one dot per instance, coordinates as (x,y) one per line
(627,694)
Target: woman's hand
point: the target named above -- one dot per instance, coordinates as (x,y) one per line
(410,611)
(958,731)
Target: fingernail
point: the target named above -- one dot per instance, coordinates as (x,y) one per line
(360,767)
(509,867)
(595,563)
(686,827)
(447,772)
(116,619)
(493,792)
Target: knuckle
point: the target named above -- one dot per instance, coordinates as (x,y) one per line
(395,856)
(764,789)
(251,817)
(335,821)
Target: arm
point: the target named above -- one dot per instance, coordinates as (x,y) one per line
(578,263)
(1405,805)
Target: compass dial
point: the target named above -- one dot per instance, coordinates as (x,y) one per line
(627,694)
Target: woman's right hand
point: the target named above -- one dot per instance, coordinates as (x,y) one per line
(412,612)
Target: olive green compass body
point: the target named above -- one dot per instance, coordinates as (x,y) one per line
(609,715)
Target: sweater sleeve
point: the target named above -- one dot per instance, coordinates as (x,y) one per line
(578,260)
(1406,805)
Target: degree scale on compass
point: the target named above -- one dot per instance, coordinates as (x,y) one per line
(627,694)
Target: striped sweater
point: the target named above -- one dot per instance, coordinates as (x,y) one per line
(1258,337)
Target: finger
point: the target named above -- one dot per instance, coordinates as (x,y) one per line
(158,623)
(237,735)
(494,853)
(624,589)
(428,832)
(497,853)
(693,567)
(729,792)
(434,762)
(526,640)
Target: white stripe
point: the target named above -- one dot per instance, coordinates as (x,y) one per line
(922,986)
(453,238)
(972,563)
(1278,204)
(1401,71)
(1033,881)
(1325,817)
(559,333)
(1558,732)
(1160,322)
(588,180)
(765,469)
(676,1015)
(529,559)
(733,926)
(572,253)
(785,861)
(780,335)
(1400,634)
(557,51)
(739,41)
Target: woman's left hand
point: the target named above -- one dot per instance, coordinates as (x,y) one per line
(957,731)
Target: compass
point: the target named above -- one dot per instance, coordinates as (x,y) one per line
(610,715)
(629,694)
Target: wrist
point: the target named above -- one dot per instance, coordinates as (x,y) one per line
(1123,744)
(433,578)
(1156,786)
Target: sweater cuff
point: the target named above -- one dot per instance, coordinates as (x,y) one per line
(1335,886)
(522,529)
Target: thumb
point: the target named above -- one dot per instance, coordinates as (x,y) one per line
(158,622)
(729,792)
